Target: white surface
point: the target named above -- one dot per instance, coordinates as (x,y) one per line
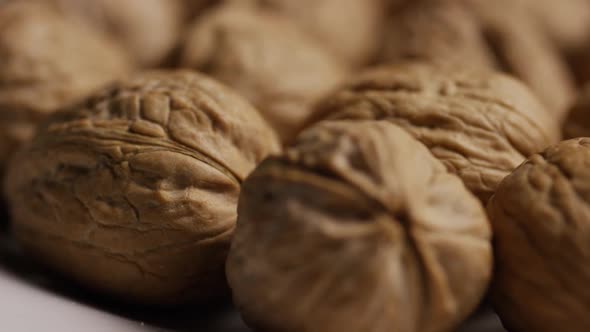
(25,308)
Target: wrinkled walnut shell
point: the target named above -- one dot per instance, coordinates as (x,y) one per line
(483,35)
(266,58)
(134,192)
(47,61)
(481,125)
(540,217)
(358,228)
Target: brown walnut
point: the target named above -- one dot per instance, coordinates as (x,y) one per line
(351,29)
(133,192)
(541,221)
(148,29)
(47,61)
(482,34)
(358,228)
(265,57)
(481,125)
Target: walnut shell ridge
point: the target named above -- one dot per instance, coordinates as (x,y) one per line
(133,192)
(265,57)
(480,125)
(357,227)
(484,35)
(541,221)
(48,62)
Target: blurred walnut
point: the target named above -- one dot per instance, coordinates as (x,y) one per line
(541,223)
(46,61)
(577,123)
(566,22)
(358,228)
(134,192)
(148,29)
(481,34)
(266,58)
(351,29)
(481,125)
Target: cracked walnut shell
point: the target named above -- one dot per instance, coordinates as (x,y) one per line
(265,57)
(481,125)
(133,192)
(358,228)
(47,62)
(577,123)
(541,224)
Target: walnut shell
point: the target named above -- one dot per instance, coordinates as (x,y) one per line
(481,125)
(358,228)
(351,29)
(134,192)
(266,58)
(148,29)
(541,228)
(47,61)
(483,35)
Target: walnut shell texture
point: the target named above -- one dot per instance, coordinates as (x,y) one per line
(148,29)
(47,61)
(358,228)
(265,57)
(483,35)
(481,125)
(541,222)
(133,192)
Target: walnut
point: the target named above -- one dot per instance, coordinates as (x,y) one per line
(149,29)
(481,125)
(133,192)
(482,34)
(541,229)
(350,28)
(266,58)
(47,62)
(577,123)
(566,22)
(358,228)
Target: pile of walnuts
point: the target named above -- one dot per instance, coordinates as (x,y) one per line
(335,165)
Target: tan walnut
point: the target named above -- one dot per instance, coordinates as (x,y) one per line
(133,192)
(47,61)
(148,29)
(481,125)
(265,57)
(541,224)
(358,227)
(350,29)
(482,34)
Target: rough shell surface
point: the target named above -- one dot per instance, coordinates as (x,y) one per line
(483,35)
(47,61)
(541,222)
(481,125)
(265,57)
(358,228)
(134,191)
